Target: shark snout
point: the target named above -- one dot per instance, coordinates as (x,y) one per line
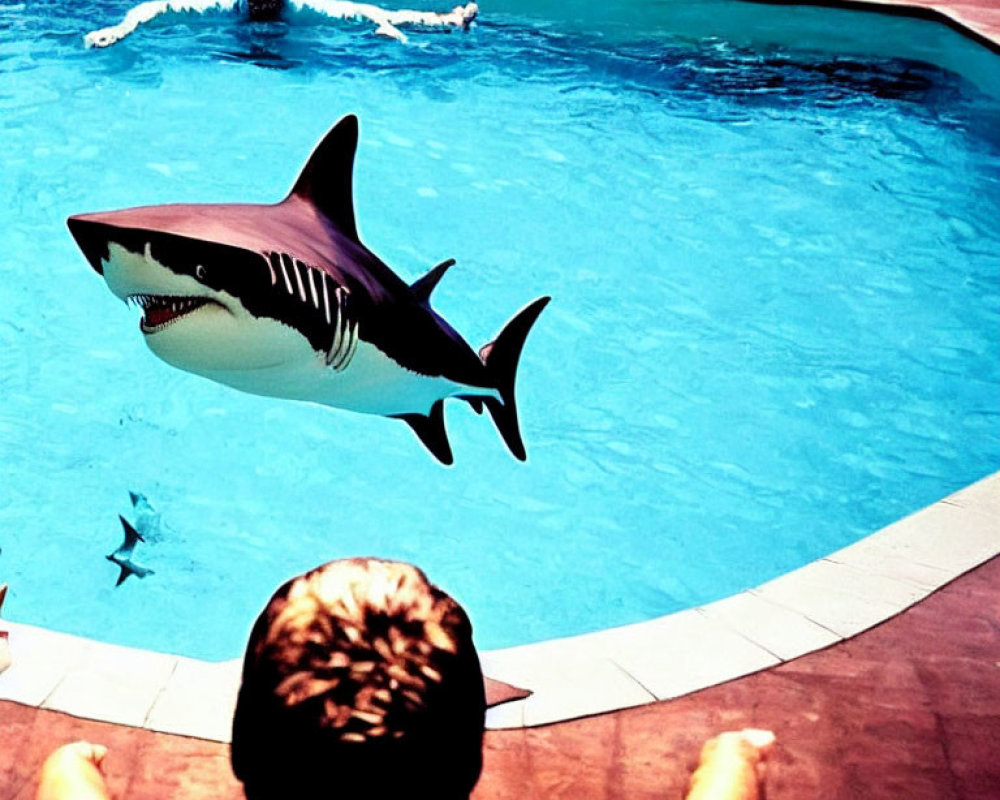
(92,238)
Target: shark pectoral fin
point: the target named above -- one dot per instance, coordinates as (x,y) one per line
(423,287)
(431,432)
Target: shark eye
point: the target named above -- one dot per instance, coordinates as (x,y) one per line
(200,272)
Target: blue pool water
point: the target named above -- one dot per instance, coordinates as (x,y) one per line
(774,327)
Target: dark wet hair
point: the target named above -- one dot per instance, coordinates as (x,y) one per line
(360,680)
(264,10)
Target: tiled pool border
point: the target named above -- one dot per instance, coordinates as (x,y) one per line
(972,18)
(818,605)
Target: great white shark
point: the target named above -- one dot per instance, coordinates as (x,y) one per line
(284,300)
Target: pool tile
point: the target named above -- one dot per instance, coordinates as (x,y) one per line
(507,715)
(112,683)
(781,631)
(843,598)
(877,557)
(949,535)
(198,700)
(684,652)
(580,689)
(40,660)
(569,678)
(982,497)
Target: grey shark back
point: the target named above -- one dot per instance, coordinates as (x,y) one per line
(285,300)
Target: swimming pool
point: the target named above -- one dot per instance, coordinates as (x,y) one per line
(774,272)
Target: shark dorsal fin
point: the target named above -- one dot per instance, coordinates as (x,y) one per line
(131,534)
(422,287)
(326,180)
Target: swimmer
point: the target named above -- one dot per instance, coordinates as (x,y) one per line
(386,21)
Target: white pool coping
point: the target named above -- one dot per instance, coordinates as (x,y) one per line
(818,605)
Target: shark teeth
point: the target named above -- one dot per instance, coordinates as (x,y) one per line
(161,310)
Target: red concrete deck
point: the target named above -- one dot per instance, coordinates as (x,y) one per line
(910,709)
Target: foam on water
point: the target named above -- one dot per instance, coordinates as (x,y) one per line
(774,325)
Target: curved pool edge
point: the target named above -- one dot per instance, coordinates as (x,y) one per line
(972,18)
(820,604)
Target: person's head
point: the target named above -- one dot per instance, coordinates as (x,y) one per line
(360,680)
(264,10)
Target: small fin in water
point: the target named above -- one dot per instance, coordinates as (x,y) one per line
(422,287)
(131,537)
(122,557)
(431,431)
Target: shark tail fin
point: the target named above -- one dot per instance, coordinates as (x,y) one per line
(431,431)
(500,358)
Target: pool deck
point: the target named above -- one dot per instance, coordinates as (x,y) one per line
(808,609)
(908,709)
(979,19)
(860,691)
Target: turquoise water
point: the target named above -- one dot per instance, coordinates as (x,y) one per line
(774,327)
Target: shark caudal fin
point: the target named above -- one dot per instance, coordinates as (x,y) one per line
(500,357)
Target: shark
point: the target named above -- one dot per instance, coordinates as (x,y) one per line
(122,557)
(284,300)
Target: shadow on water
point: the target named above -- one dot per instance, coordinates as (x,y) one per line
(261,44)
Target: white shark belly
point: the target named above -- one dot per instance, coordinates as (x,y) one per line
(372,383)
(260,355)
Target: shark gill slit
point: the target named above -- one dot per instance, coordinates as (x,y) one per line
(345,336)
(312,286)
(289,264)
(277,264)
(343,318)
(296,265)
(270,268)
(351,340)
(326,297)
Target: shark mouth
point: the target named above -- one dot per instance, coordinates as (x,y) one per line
(159,311)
